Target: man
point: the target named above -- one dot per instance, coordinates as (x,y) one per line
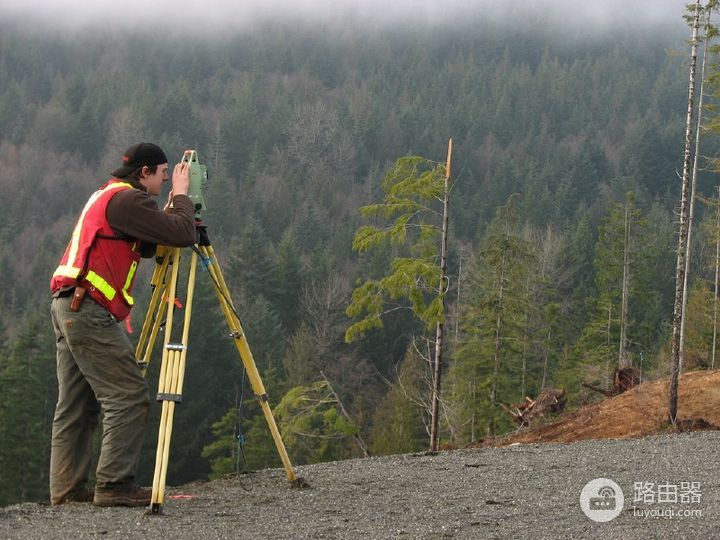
(96,367)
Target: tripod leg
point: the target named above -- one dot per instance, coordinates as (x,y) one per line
(247,358)
(172,369)
(171,383)
(155,312)
(166,366)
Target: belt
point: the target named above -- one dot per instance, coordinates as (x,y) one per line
(63,292)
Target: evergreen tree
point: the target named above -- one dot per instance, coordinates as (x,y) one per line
(412,187)
(311,424)
(651,307)
(223,452)
(486,369)
(27,398)
(401,420)
(289,279)
(605,340)
(249,262)
(698,327)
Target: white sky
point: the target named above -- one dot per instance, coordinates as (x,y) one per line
(73,14)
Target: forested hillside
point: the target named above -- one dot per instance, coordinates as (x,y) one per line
(567,147)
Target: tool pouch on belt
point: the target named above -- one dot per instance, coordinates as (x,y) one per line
(77,299)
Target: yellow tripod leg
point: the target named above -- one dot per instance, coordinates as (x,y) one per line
(247,358)
(172,374)
(166,366)
(155,312)
(172,369)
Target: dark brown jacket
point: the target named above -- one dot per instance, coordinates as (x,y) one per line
(134,213)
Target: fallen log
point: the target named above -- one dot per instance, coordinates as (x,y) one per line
(549,401)
(602,391)
(623,380)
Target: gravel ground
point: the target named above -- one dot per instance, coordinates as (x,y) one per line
(524,491)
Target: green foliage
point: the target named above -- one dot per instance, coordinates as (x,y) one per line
(260,450)
(223,451)
(699,327)
(618,251)
(26,392)
(597,346)
(400,419)
(264,331)
(311,425)
(288,275)
(654,277)
(486,367)
(413,188)
(613,245)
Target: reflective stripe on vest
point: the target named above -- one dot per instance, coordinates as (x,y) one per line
(101,285)
(75,240)
(70,268)
(128,282)
(67,271)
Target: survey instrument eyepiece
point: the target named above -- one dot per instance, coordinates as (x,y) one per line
(198,180)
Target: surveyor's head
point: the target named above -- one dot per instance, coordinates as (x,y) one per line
(147,164)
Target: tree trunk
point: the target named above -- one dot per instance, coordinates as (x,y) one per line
(717,275)
(682,236)
(545,363)
(622,354)
(691,212)
(525,343)
(496,357)
(443,290)
(609,342)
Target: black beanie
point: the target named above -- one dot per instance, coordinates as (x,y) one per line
(139,155)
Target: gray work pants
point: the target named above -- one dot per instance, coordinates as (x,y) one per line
(96,371)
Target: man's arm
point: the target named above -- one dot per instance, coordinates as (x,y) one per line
(134,213)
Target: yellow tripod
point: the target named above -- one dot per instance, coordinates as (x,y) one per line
(172,369)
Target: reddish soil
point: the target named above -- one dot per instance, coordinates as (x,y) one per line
(638,412)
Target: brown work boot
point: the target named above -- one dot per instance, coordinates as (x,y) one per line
(130,495)
(79,494)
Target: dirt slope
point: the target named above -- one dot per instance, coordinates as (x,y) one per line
(639,412)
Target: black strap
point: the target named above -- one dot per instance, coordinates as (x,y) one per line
(116,236)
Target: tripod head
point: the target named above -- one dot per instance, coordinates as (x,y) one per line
(198,180)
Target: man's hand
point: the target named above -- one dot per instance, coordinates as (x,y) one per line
(181,179)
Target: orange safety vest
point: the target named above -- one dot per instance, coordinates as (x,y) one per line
(97,259)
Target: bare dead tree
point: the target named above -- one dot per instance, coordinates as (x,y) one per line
(440,325)
(358,439)
(682,251)
(717,276)
(693,183)
(322,305)
(608,337)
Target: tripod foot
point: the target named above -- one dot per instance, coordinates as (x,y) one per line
(299,483)
(154,509)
